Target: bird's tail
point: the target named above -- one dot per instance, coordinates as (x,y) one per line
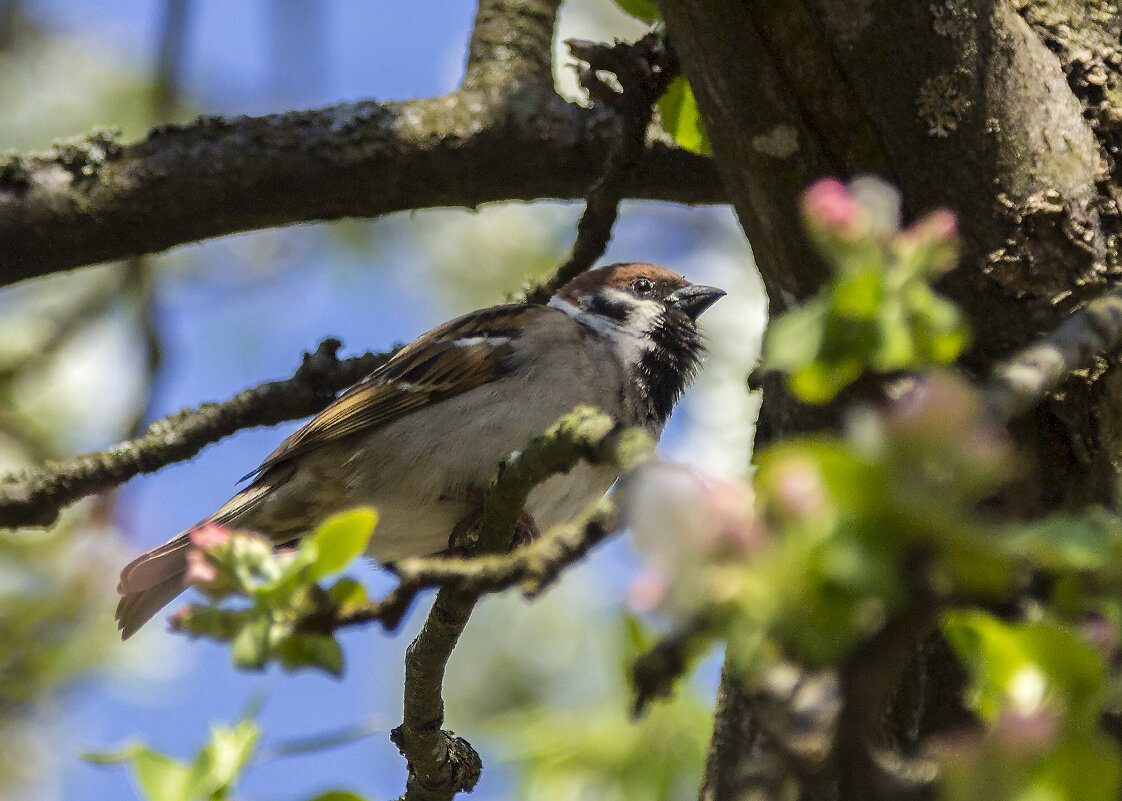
(150,582)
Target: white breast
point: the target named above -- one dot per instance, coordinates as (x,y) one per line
(427,471)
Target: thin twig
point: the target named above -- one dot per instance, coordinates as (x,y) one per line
(644,70)
(35,497)
(532,568)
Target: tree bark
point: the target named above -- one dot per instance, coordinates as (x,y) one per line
(1005,112)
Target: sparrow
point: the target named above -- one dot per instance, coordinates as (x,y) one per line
(420,437)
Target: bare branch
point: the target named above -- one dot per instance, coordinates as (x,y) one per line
(441,765)
(35,497)
(511,42)
(644,70)
(220,175)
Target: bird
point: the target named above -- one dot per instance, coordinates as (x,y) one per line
(421,436)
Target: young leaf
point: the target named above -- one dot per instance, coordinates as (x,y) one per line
(681,119)
(340,540)
(221,762)
(311,650)
(642,9)
(162,778)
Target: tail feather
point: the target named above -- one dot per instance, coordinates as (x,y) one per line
(137,608)
(150,582)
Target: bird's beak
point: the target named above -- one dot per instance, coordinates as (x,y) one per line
(694,299)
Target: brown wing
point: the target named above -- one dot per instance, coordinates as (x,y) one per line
(451,359)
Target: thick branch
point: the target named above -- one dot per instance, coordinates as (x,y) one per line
(36,496)
(511,41)
(219,176)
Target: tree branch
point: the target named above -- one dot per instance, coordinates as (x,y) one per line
(35,497)
(644,70)
(511,42)
(489,141)
(441,765)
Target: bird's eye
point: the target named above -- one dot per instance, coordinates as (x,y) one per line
(642,286)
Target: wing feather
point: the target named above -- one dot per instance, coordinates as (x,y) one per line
(449,360)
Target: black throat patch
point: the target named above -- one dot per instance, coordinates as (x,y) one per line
(668,366)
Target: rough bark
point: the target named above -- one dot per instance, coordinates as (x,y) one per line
(1002,111)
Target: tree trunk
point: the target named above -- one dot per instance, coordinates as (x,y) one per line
(1006,112)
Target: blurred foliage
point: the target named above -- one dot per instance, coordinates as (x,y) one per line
(218,767)
(211,776)
(55,628)
(897,517)
(55,85)
(595,751)
(1040,687)
(645,10)
(476,259)
(878,312)
(281,589)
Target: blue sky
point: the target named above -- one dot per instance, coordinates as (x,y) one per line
(223,331)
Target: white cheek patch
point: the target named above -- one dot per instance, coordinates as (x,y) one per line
(494,342)
(629,338)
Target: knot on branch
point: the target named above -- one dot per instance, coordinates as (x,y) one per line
(317,369)
(457,772)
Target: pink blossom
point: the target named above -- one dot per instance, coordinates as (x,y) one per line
(829,204)
(180,617)
(648,591)
(210,535)
(799,491)
(200,570)
(939,225)
(1099,631)
(1033,732)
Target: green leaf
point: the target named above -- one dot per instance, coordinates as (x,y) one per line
(340,540)
(347,592)
(311,651)
(220,764)
(162,778)
(1064,543)
(642,9)
(1011,663)
(250,648)
(681,119)
(338,795)
(795,339)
